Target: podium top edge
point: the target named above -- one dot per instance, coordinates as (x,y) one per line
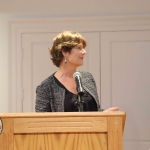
(61,114)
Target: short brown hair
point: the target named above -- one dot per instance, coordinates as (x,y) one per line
(64,41)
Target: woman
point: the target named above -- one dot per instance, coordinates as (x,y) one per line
(58,92)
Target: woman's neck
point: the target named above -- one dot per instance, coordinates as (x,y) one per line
(65,72)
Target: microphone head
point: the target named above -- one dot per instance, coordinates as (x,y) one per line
(77,77)
(77,74)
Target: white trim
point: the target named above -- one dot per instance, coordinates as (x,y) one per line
(87,24)
(23,26)
(68,19)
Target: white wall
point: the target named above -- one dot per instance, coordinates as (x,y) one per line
(3,63)
(47,9)
(44,8)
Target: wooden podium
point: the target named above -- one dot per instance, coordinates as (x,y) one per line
(62,131)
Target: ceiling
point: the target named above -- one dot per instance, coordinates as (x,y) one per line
(75,7)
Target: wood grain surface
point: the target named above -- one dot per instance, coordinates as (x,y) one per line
(62,131)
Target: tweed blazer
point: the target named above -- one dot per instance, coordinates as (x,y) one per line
(50,97)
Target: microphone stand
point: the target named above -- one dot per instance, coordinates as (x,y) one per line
(79,102)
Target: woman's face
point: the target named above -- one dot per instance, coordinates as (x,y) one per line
(76,56)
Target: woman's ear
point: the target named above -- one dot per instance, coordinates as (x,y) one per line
(63,53)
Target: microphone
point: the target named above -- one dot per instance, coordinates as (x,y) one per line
(77,76)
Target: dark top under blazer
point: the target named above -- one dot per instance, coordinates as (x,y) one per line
(50,97)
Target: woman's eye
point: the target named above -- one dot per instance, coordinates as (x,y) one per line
(79,48)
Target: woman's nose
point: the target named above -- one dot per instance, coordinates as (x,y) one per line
(83,51)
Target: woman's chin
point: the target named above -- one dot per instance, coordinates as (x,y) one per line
(80,64)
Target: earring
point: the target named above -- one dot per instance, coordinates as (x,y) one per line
(65,61)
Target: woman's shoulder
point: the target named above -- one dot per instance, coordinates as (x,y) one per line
(46,82)
(86,74)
